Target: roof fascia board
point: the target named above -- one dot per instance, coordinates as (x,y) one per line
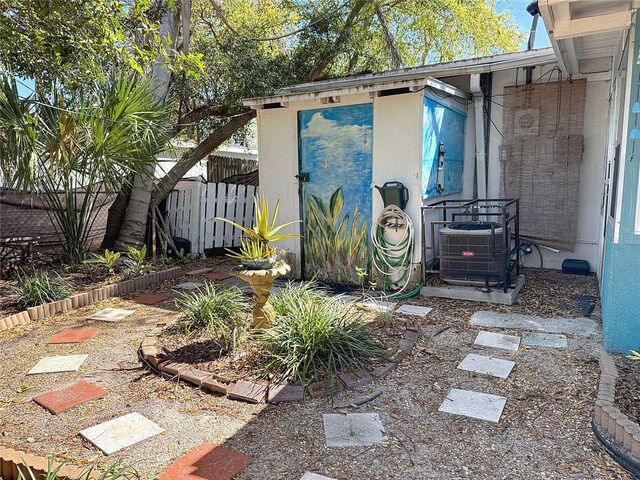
(391,80)
(610,22)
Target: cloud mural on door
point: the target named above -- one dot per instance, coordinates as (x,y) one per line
(336,150)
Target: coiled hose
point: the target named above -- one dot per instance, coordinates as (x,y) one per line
(393,260)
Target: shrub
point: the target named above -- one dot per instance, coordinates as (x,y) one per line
(219,315)
(114,471)
(41,287)
(109,259)
(315,335)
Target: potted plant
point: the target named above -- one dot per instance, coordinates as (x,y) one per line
(256,252)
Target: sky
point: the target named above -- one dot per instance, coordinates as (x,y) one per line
(518,9)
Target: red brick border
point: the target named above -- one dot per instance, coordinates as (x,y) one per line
(223,386)
(83,299)
(11,459)
(624,432)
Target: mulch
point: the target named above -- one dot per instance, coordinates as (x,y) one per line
(628,387)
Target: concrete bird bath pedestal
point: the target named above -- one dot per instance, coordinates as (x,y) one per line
(261,282)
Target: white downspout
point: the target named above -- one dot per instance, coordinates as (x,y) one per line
(481,172)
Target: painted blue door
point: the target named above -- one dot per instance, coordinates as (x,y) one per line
(336,156)
(442,149)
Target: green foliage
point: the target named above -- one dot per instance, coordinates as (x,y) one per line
(137,255)
(264,231)
(37,288)
(89,141)
(634,355)
(108,259)
(336,244)
(252,249)
(219,315)
(315,336)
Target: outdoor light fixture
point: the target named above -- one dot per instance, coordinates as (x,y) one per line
(533,9)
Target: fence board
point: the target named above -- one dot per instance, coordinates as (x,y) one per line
(191,214)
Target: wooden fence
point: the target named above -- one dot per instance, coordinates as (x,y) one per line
(219,168)
(192,213)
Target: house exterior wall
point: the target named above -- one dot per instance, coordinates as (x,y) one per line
(620,285)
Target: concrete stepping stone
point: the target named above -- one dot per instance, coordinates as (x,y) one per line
(285,393)
(417,310)
(346,298)
(482,406)
(189,286)
(121,432)
(496,367)
(248,392)
(207,462)
(218,277)
(150,299)
(58,363)
(497,340)
(550,340)
(111,315)
(199,272)
(353,429)
(571,326)
(58,401)
(377,306)
(314,476)
(76,335)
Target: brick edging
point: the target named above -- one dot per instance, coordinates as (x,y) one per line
(223,386)
(11,459)
(83,299)
(607,417)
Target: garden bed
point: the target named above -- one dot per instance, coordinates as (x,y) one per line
(627,397)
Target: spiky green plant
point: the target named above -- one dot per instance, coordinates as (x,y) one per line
(252,249)
(264,230)
(334,243)
(108,259)
(215,314)
(315,335)
(37,288)
(114,471)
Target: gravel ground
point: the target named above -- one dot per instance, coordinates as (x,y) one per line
(544,431)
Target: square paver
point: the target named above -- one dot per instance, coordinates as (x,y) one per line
(76,335)
(121,432)
(374,305)
(111,315)
(248,392)
(482,406)
(199,271)
(218,277)
(314,476)
(57,401)
(497,340)
(356,379)
(353,429)
(189,286)
(496,367)
(551,340)
(207,462)
(346,298)
(150,299)
(416,310)
(59,363)
(285,393)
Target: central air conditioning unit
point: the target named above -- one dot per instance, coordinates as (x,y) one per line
(471,254)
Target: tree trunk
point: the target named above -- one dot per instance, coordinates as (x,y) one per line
(134,223)
(189,159)
(116,217)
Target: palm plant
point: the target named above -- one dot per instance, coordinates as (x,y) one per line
(73,148)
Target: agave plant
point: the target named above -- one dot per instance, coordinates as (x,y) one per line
(263,233)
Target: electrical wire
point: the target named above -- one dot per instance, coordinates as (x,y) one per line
(393,260)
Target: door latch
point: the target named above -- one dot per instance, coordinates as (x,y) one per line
(303,177)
